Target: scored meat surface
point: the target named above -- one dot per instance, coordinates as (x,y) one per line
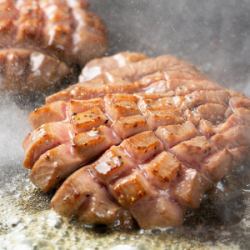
(132,77)
(63,32)
(147,156)
(152,75)
(63,28)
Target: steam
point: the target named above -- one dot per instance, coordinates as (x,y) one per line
(214,35)
(13,128)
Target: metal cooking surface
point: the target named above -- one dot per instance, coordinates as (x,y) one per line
(212,34)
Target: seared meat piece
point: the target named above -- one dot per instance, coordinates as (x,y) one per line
(104,64)
(95,203)
(62,160)
(182,140)
(28,70)
(134,77)
(153,182)
(61,28)
(154,75)
(157,153)
(41,42)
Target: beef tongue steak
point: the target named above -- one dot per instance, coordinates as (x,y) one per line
(65,29)
(146,156)
(41,42)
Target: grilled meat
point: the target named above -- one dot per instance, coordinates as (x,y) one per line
(63,33)
(61,28)
(104,64)
(153,75)
(132,78)
(147,156)
(28,70)
(165,165)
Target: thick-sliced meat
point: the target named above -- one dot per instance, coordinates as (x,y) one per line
(61,28)
(55,165)
(218,165)
(95,205)
(155,75)
(142,73)
(44,138)
(133,123)
(59,162)
(189,189)
(41,42)
(193,151)
(166,184)
(172,134)
(101,65)
(126,115)
(162,151)
(29,70)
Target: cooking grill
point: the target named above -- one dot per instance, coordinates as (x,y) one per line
(212,34)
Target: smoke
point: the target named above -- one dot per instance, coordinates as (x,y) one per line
(13,128)
(212,34)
